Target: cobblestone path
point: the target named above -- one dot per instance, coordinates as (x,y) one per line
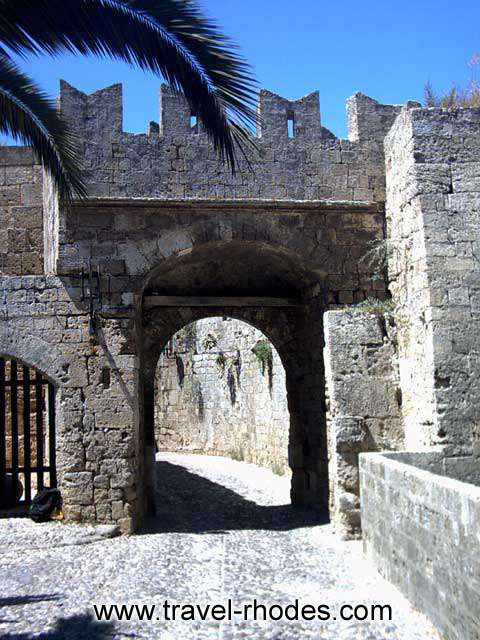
(223,531)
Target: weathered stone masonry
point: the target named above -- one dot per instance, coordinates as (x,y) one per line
(434,226)
(167,217)
(420,515)
(21,215)
(220,389)
(364,403)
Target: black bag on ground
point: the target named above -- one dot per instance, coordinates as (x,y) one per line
(10,492)
(44,504)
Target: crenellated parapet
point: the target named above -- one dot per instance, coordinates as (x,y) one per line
(370,120)
(96,116)
(282,118)
(298,158)
(99,115)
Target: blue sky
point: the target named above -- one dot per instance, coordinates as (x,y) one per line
(387,50)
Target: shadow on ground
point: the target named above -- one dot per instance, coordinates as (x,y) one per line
(79,627)
(189,503)
(15,601)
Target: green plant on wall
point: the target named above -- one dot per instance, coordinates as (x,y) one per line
(232,366)
(221,362)
(237,453)
(210,342)
(379,253)
(373,305)
(184,340)
(264,355)
(457,97)
(277,468)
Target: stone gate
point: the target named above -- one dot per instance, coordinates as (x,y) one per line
(93,294)
(168,236)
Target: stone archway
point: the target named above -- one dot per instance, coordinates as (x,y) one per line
(270,290)
(220,391)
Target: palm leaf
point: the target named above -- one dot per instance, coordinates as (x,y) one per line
(169,37)
(29,116)
(215,53)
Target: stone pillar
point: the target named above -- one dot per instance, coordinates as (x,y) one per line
(364,412)
(306,400)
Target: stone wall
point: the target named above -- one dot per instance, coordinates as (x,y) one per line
(44,323)
(421,530)
(173,160)
(21,212)
(304,243)
(433,225)
(215,396)
(364,403)
(166,217)
(406,253)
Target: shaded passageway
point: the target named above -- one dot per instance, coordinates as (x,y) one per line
(206,494)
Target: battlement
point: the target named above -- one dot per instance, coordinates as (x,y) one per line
(299,159)
(279,117)
(100,115)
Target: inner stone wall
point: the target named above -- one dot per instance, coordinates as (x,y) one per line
(215,396)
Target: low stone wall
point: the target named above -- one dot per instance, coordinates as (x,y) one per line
(421,530)
(220,390)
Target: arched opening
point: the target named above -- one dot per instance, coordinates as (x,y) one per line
(268,288)
(27,433)
(220,389)
(223,431)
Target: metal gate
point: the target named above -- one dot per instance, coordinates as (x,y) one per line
(27,429)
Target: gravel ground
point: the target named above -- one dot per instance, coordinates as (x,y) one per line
(232,535)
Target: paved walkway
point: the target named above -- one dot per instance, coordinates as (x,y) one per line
(223,531)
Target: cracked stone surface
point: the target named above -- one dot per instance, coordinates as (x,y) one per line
(223,530)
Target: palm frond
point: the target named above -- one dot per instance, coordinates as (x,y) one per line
(170,38)
(28,115)
(214,52)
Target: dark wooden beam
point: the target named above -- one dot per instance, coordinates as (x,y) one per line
(222,301)
(335,207)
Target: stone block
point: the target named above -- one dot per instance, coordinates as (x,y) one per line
(350,434)
(77,488)
(117,510)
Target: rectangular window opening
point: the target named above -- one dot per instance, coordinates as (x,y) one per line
(194,123)
(291,125)
(105,378)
